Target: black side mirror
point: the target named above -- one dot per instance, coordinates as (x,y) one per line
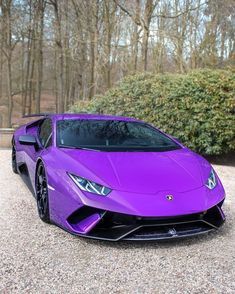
(27,140)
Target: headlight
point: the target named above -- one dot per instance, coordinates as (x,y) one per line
(211,181)
(89,186)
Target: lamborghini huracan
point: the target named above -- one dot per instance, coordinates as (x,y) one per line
(116,178)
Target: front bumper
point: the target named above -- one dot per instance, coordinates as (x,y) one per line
(105,225)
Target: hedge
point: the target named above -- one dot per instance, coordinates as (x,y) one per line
(198,108)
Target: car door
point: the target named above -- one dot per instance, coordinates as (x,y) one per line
(44,138)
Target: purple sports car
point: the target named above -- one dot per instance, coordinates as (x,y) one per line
(116,178)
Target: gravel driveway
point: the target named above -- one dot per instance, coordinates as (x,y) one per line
(40,258)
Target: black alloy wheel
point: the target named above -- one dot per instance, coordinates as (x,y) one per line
(13,160)
(42,194)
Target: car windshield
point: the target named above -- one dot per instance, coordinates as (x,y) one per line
(111,135)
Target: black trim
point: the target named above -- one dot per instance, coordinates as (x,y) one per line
(27,140)
(116,226)
(82,213)
(169,231)
(23,171)
(37,114)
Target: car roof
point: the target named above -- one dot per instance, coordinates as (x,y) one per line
(64,116)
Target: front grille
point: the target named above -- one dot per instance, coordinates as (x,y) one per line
(116,226)
(169,231)
(129,227)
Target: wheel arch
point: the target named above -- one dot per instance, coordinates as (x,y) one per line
(40,160)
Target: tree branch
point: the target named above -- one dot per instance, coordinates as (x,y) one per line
(136,21)
(181,13)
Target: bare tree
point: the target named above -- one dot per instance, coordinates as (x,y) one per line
(59,47)
(68,50)
(7,49)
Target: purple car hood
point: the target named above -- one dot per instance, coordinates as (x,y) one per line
(138,172)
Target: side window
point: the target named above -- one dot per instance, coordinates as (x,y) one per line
(45,133)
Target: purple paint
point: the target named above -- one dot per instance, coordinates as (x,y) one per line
(140,181)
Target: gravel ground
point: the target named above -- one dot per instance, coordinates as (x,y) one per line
(40,258)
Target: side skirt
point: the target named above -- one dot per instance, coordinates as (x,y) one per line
(23,171)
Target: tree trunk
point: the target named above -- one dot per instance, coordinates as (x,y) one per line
(40,55)
(29,50)
(145,49)
(59,46)
(94,48)
(8,52)
(9,91)
(148,11)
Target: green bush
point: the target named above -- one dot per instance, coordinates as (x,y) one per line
(198,108)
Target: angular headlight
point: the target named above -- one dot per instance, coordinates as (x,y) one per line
(90,186)
(211,181)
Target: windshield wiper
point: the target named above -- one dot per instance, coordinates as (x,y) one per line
(123,148)
(76,147)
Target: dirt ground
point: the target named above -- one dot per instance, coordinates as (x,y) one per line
(40,258)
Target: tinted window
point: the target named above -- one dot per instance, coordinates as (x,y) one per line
(112,135)
(45,133)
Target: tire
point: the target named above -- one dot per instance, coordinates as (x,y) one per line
(13,160)
(42,194)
